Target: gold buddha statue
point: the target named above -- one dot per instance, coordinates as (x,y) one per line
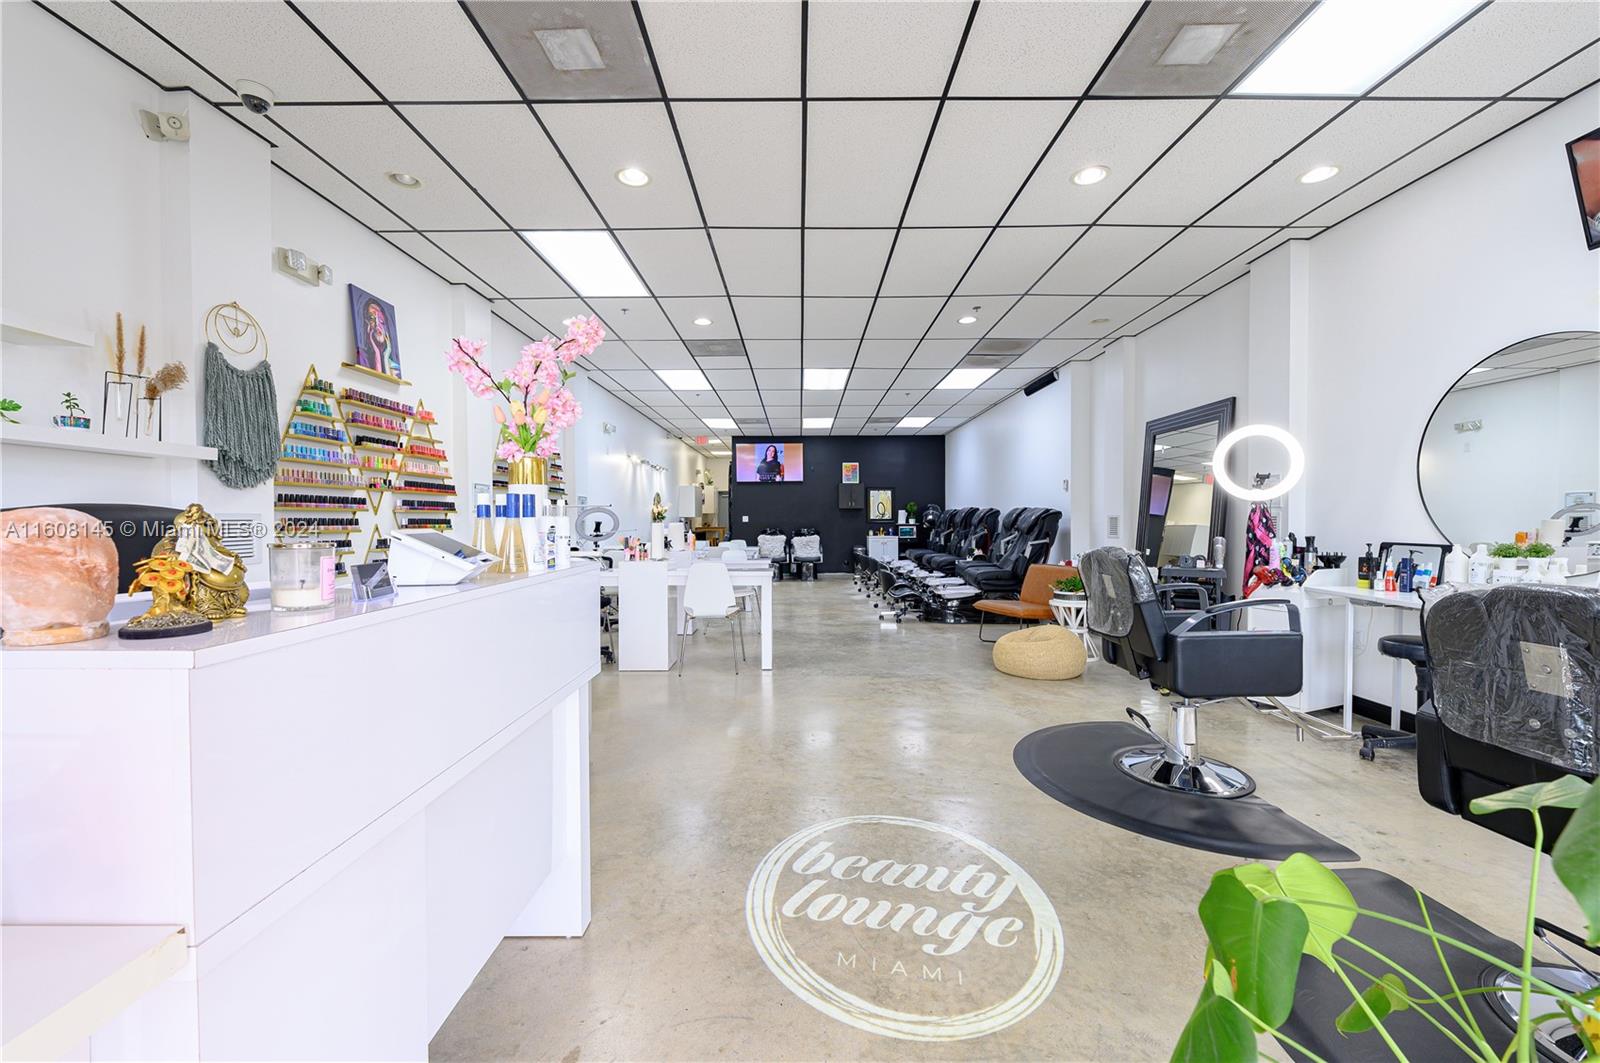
(218,591)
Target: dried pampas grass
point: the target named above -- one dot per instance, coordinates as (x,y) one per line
(168,378)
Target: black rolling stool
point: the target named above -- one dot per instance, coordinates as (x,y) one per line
(1402,648)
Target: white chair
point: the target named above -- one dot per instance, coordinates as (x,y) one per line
(708,595)
(737,544)
(749,599)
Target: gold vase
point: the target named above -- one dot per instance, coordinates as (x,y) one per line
(528,470)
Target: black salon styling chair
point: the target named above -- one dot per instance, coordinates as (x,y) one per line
(1516,692)
(1192,654)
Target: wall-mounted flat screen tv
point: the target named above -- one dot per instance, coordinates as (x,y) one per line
(1583,155)
(769,463)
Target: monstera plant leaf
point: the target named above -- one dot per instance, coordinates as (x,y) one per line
(1576,858)
(1329,908)
(1565,792)
(1258,942)
(1383,997)
(1217,1032)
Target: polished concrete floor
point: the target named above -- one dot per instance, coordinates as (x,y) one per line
(696,779)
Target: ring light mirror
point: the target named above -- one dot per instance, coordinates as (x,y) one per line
(1297,462)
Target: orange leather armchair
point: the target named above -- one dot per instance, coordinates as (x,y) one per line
(1032,602)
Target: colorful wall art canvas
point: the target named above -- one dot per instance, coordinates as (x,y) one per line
(377,335)
(851,472)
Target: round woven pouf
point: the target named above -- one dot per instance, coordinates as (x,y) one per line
(1045,651)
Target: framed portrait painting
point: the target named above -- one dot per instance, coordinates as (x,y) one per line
(376,332)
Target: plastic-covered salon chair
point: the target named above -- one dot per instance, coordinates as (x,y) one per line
(1516,693)
(773,544)
(1188,654)
(806,552)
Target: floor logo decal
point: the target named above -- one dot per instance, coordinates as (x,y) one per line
(904,928)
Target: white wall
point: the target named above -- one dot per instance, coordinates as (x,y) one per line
(1017,455)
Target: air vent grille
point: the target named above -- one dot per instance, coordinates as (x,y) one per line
(1113,527)
(987,361)
(239,534)
(1002,346)
(883,420)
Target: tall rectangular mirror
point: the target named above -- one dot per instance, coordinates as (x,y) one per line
(1180,507)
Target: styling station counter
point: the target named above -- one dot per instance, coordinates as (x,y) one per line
(344,811)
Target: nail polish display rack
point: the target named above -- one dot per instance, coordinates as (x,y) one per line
(408,468)
(315,462)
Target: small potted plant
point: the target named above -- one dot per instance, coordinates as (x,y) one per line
(73,417)
(1069,587)
(1506,556)
(1538,550)
(1538,555)
(7,408)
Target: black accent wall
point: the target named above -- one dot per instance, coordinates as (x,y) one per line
(910,466)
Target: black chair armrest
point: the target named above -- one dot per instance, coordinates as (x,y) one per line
(1434,778)
(1187,588)
(1228,607)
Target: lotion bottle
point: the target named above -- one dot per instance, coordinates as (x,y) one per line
(1481,566)
(1456,565)
(563,535)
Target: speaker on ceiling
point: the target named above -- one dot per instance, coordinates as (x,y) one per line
(1040,384)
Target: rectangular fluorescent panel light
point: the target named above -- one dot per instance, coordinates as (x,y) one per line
(826,379)
(914,422)
(1198,45)
(590,261)
(722,453)
(1185,478)
(570,49)
(1344,47)
(684,379)
(718,422)
(816,422)
(963,379)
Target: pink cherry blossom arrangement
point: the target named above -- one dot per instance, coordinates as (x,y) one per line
(545,406)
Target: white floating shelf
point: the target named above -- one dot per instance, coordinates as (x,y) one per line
(29,330)
(28,435)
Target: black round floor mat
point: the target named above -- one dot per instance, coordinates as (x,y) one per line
(1075,764)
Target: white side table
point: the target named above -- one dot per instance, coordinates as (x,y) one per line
(1071,614)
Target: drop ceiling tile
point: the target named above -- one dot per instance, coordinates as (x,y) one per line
(505,260)
(730,48)
(835,318)
(730,378)
(868,377)
(981,153)
(745,158)
(614,355)
(526,327)
(903,318)
(876,49)
(940,354)
(553,313)
(368,143)
(1105,253)
(1046,354)
(1570,76)
(776,379)
(1105,315)
(774,354)
(1033,49)
(116,29)
(861,157)
(684,313)
(635,319)
(372,33)
(1370,135)
(1191,255)
(1499,48)
(673,262)
(626,71)
(639,381)
(522,176)
(768,318)
(912,379)
(1010,377)
(331,184)
(1237,267)
(418,247)
(1228,147)
(930,261)
(663,354)
(598,139)
(268,43)
(1125,136)
(759,261)
(989,310)
(885,354)
(845,261)
(830,354)
(1038,315)
(1464,137)
(1163,310)
(859,400)
(1014,258)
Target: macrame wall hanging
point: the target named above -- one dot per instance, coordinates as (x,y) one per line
(241,414)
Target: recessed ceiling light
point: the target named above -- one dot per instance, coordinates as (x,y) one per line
(719,422)
(914,422)
(1343,49)
(684,380)
(1318,174)
(967,319)
(1091,175)
(405,180)
(591,262)
(1197,45)
(816,422)
(572,49)
(825,379)
(702,321)
(964,378)
(633,177)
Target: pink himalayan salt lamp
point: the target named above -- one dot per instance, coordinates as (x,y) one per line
(58,576)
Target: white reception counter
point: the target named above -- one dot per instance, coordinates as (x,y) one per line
(344,811)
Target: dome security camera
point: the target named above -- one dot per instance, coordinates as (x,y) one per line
(255,96)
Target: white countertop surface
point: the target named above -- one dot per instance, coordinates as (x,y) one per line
(1367,596)
(264,629)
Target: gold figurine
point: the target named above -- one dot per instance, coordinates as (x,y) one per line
(169,581)
(217,588)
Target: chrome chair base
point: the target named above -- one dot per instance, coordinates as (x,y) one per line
(1199,775)
(1555,1037)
